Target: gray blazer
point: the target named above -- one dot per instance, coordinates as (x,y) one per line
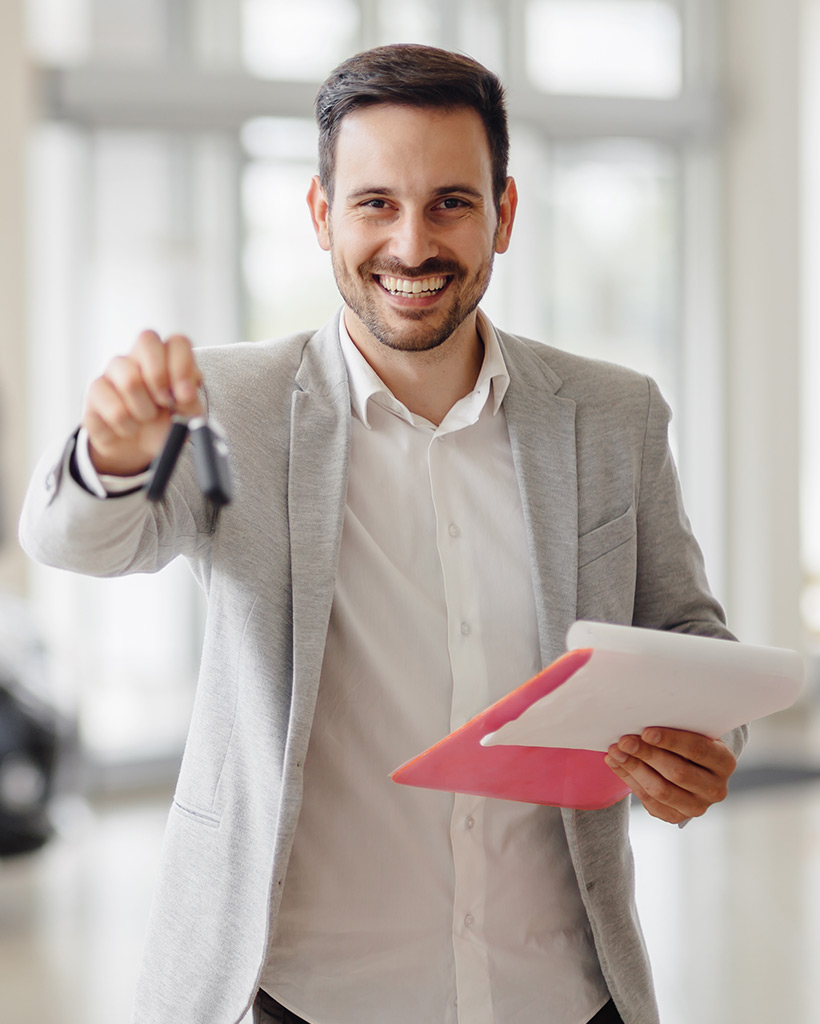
(608,539)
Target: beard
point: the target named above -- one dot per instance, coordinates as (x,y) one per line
(411,330)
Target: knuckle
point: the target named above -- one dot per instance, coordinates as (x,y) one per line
(180,348)
(662,790)
(678,774)
(98,429)
(121,421)
(125,372)
(95,393)
(147,340)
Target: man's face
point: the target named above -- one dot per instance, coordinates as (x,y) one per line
(412,229)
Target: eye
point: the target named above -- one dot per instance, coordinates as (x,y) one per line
(452,203)
(375,204)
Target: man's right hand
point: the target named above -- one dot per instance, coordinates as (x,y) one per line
(128,409)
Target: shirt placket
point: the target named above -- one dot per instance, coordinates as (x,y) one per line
(469,696)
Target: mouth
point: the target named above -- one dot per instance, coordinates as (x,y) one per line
(413,288)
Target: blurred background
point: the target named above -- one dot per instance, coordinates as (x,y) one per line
(154,158)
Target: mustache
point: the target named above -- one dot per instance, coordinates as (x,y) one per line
(395,268)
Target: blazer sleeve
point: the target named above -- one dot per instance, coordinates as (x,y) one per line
(671,588)
(64,526)
(672,591)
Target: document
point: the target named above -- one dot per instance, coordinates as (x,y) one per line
(545,742)
(636,678)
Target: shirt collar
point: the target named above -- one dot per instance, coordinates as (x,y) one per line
(493,377)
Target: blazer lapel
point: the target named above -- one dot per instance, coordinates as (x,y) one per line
(317,491)
(542,435)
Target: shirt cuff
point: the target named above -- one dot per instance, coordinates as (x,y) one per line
(103,485)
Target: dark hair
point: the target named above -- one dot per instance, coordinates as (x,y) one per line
(416,76)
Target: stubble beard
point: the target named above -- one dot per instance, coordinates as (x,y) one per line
(412,333)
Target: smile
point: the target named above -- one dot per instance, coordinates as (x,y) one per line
(406,287)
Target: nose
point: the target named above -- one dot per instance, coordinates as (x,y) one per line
(412,240)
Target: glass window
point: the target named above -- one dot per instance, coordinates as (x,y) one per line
(595,261)
(122,30)
(302,41)
(137,231)
(481,32)
(287,277)
(604,47)
(59,31)
(419,22)
(614,236)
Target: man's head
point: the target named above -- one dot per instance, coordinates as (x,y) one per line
(412,200)
(413,76)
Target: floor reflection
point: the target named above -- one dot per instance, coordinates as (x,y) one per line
(730,906)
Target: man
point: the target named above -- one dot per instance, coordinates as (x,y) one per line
(423,506)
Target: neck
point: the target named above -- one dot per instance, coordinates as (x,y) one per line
(428,383)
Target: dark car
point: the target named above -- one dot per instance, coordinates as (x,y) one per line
(33,735)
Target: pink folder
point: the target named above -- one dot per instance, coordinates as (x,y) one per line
(538,775)
(623,679)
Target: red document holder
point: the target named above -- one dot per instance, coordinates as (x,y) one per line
(539,775)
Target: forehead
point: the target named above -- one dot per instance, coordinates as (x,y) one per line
(388,145)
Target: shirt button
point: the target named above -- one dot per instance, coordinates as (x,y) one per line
(468,920)
(453,530)
(470,823)
(465,629)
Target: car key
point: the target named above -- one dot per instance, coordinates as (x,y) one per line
(210,460)
(163,465)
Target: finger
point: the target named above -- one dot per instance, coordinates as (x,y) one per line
(184,375)
(125,376)
(106,415)
(151,353)
(100,435)
(674,767)
(687,759)
(712,754)
(682,788)
(670,812)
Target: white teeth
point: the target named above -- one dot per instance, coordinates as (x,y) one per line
(404,286)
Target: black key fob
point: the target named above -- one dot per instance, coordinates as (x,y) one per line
(211,461)
(163,465)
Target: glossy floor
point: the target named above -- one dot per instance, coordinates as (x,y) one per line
(730,906)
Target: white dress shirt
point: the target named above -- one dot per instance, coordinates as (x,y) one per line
(403,905)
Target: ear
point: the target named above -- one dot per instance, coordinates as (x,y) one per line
(319,212)
(508,206)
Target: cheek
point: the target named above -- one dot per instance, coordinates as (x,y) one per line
(349,247)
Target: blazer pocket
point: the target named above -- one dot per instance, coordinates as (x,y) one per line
(606,538)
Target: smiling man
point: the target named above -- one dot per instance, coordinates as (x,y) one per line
(423,505)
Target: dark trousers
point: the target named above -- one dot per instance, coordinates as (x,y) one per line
(268,1011)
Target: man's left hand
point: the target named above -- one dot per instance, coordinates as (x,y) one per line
(675,774)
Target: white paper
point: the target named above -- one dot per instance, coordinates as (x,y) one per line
(637,678)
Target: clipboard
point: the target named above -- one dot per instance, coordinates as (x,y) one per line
(545,742)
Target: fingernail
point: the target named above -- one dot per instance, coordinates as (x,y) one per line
(652,736)
(629,744)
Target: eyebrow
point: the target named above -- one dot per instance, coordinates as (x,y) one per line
(444,190)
